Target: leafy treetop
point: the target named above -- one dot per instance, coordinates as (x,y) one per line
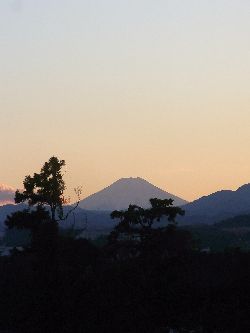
(45,188)
(137,220)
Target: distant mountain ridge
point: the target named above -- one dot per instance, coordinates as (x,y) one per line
(218,206)
(127,191)
(208,209)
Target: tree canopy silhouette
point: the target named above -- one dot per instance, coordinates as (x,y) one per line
(138,221)
(46,189)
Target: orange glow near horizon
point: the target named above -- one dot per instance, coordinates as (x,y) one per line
(126,89)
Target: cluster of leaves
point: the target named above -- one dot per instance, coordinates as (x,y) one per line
(43,232)
(45,188)
(138,221)
(27,219)
(138,232)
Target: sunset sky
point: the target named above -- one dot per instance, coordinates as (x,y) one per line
(158,89)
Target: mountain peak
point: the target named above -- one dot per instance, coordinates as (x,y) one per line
(130,179)
(126,191)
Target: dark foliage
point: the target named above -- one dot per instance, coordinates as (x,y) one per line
(139,222)
(83,292)
(27,219)
(45,188)
(240,221)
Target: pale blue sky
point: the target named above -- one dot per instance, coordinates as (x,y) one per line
(157,89)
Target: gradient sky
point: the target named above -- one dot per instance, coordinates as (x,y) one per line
(153,88)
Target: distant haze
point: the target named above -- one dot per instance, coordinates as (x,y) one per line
(6,194)
(124,192)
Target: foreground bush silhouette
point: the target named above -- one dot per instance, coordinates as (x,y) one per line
(42,229)
(139,222)
(137,232)
(188,292)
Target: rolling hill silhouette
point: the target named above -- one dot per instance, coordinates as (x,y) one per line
(218,206)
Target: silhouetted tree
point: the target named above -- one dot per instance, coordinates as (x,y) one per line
(137,232)
(137,222)
(42,191)
(46,189)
